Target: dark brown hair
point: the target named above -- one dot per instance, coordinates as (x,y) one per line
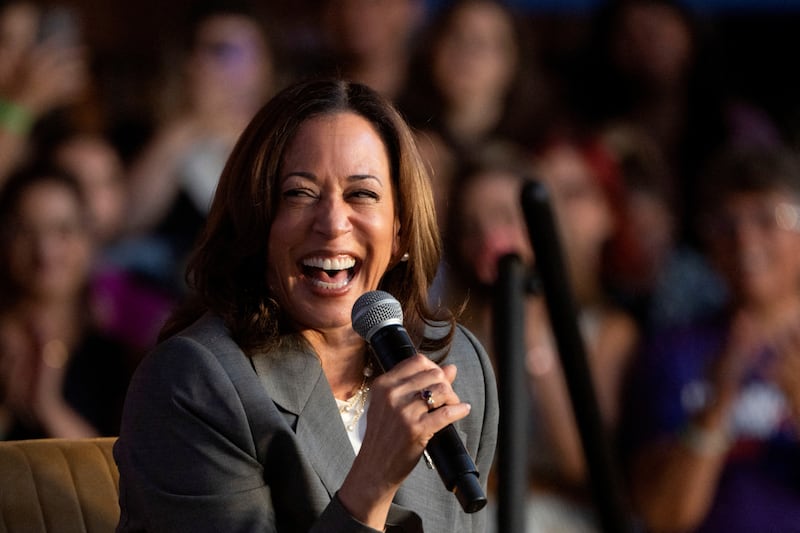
(227,271)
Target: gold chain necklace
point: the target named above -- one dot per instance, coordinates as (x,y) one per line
(358,402)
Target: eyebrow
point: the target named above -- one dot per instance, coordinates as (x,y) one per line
(352,177)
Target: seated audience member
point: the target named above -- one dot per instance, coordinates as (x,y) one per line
(128,302)
(666,282)
(227,74)
(653,66)
(97,165)
(488,216)
(369,41)
(714,405)
(471,85)
(59,377)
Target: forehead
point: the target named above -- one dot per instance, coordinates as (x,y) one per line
(342,136)
(490,190)
(482,17)
(232,27)
(564,163)
(46,202)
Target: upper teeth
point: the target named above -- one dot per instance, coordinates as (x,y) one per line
(337,263)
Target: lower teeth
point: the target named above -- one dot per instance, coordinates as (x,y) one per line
(329,285)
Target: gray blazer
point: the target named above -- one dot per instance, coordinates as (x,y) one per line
(212,440)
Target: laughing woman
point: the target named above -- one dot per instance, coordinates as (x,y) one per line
(262,409)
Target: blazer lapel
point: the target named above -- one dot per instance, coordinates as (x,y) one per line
(296,383)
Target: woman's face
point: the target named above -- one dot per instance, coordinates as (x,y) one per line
(335,230)
(476,56)
(492,224)
(50,246)
(371,28)
(582,210)
(755,242)
(99,170)
(231,64)
(653,43)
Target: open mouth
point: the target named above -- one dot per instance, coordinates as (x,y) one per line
(330,273)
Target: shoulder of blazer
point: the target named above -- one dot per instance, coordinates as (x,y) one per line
(210,332)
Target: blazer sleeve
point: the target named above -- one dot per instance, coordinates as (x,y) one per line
(187,455)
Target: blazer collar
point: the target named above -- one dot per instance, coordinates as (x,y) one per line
(290,376)
(296,383)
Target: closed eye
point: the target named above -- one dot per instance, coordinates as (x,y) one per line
(300,196)
(298,192)
(365,194)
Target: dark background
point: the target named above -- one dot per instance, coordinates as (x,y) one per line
(758,42)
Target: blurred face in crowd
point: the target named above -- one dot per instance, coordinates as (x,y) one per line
(335,231)
(492,223)
(476,55)
(231,63)
(99,170)
(581,209)
(755,242)
(371,28)
(653,43)
(50,247)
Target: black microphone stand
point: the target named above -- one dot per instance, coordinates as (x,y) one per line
(605,485)
(508,336)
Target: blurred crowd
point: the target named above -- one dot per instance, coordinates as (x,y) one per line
(677,202)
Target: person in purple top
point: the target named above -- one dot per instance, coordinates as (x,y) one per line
(710,438)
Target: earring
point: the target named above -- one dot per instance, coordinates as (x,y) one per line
(405,257)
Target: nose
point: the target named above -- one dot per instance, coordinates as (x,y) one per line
(47,246)
(332,217)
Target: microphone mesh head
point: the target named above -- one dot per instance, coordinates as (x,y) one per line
(373,310)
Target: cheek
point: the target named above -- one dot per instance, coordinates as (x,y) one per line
(788,256)
(586,223)
(277,247)
(20,260)
(69,258)
(82,254)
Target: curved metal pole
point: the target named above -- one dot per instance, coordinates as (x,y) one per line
(604,479)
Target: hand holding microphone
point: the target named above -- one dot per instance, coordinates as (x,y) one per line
(378,317)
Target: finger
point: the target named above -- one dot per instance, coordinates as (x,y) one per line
(434,421)
(418,385)
(450,371)
(414,374)
(432,383)
(405,368)
(427,395)
(437,395)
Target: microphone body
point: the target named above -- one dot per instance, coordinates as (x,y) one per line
(375,318)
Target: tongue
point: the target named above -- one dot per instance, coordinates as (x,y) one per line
(329,276)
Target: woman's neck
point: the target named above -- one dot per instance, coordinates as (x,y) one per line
(52,320)
(343,355)
(470,120)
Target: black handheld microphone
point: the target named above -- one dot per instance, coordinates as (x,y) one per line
(378,318)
